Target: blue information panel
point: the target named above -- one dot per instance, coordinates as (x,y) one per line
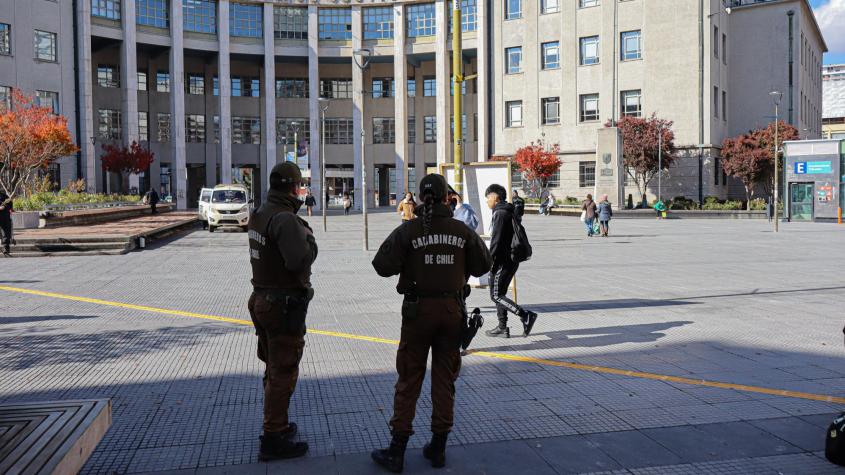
(813,168)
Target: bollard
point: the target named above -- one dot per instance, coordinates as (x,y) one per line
(839,212)
(142,242)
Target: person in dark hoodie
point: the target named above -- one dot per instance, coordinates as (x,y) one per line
(504,267)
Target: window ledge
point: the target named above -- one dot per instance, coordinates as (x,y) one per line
(515,74)
(588,65)
(551,69)
(631,60)
(549,13)
(46,61)
(514,126)
(556,124)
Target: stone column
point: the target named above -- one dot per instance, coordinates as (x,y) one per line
(129,80)
(358,107)
(400,101)
(269,94)
(87,128)
(482,82)
(177,105)
(224,82)
(442,59)
(314,158)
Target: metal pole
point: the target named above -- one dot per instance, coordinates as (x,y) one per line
(659,164)
(457,88)
(323,165)
(777,169)
(364,192)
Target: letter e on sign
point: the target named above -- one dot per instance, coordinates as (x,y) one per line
(800,168)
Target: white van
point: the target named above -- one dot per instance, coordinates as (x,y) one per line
(204,202)
(229,206)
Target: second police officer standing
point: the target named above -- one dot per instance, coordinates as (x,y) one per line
(434,256)
(282,249)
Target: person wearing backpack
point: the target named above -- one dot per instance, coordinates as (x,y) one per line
(506,259)
(605,212)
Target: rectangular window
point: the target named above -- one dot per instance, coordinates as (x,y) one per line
(551,110)
(469,15)
(549,6)
(421,20)
(378,23)
(246,20)
(336,88)
(430,129)
(292,88)
(335,23)
(383,87)
(514,113)
(588,3)
(142,80)
(163,125)
(108,124)
(48,99)
(632,103)
(5,98)
(463,126)
(725,107)
(412,87)
(45,46)
(513,9)
(715,102)
(290,23)
(589,108)
(200,16)
(631,45)
(724,48)
(551,55)
(452,87)
(109,9)
(196,84)
(384,130)
(339,131)
(143,126)
(290,129)
(5,38)
(513,60)
(108,76)
(246,130)
(195,128)
(586,174)
(716,41)
(412,129)
(246,87)
(162,81)
(429,86)
(236,87)
(589,50)
(151,13)
(216,121)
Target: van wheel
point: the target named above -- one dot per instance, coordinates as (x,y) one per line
(211,228)
(245,228)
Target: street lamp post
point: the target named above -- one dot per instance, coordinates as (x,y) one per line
(776,97)
(364,55)
(325,106)
(660,163)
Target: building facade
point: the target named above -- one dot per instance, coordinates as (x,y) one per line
(221,90)
(833,110)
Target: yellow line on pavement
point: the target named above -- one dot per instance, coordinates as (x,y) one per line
(485,354)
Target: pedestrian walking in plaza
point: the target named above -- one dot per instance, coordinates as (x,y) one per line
(347,203)
(504,266)
(660,208)
(151,198)
(433,256)
(282,249)
(463,212)
(6,208)
(310,202)
(518,204)
(407,206)
(588,214)
(605,212)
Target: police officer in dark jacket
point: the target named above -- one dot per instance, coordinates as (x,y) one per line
(434,256)
(504,267)
(6,222)
(282,249)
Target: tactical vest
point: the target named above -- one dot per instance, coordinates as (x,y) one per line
(437,261)
(268,267)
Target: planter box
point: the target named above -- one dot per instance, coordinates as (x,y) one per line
(25,219)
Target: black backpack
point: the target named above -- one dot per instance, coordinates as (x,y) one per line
(520,247)
(834,446)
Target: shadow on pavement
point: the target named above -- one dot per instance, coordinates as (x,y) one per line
(603,305)
(42,318)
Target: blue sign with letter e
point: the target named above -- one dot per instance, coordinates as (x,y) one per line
(800,168)
(813,168)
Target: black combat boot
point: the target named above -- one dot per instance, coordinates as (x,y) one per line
(499,332)
(393,457)
(436,449)
(277,445)
(528,322)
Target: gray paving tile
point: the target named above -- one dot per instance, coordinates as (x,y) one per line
(632,449)
(573,454)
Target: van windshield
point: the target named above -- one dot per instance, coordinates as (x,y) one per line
(228,196)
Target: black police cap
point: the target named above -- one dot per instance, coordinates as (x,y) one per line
(435,184)
(285,173)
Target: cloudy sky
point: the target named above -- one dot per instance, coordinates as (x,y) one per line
(831,17)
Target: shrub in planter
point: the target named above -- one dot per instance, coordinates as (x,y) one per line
(38,201)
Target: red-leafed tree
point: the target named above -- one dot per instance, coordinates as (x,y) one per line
(125,160)
(538,162)
(640,145)
(31,139)
(749,157)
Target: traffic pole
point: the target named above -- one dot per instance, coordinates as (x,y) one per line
(457,97)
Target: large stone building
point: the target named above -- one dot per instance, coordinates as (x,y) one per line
(219,88)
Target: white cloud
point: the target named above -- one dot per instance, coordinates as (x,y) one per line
(831,17)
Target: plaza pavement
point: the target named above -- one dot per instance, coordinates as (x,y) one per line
(714,300)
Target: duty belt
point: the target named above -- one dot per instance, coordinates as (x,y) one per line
(286,294)
(455,294)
